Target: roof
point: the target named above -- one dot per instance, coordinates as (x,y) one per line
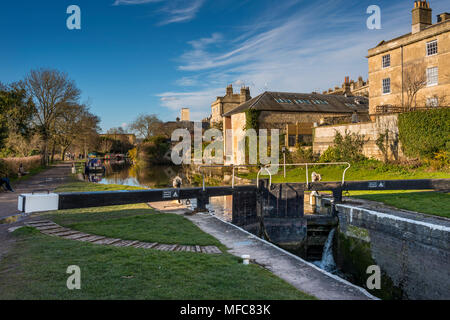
(430,31)
(303,102)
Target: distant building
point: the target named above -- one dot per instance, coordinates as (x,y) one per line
(294,114)
(227,103)
(185,114)
(422,54)
(351,88)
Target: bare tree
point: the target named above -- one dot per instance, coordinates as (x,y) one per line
(414,79)
(50,90)
(146,125)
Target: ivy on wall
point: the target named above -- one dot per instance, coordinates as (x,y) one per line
(251,119)
(424,133)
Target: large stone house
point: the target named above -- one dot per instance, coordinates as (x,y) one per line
(295,114)
(397,66)
(227,103)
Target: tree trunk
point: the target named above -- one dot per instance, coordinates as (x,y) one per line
(53,152)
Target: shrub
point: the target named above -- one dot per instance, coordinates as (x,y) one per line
(302,155)
(154,150)
(10,166)
(347,147)
(425,133)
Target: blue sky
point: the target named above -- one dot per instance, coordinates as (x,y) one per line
(157,56)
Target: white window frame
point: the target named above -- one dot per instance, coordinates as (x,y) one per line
(382,86)
(428,47)
(434,76)
(388,59)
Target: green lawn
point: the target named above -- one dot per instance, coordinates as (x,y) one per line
(429,202)
(367,170)
(36,267)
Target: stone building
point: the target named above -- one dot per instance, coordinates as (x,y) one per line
(351,88)
(295,114)
(227,103)
(423,55)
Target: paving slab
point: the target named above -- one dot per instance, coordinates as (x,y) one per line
(76,236)
(106,241)
(91,238)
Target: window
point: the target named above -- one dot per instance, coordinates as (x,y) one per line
(432,76)
(432,102)
(291,140)
(432,48)
(386,85)
(283,100)
(303,101)
(386,61)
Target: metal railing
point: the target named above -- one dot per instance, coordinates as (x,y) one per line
(233,166)
(398,109)
(306,166)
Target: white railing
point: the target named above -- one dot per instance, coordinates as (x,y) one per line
(233,166)
(306,166)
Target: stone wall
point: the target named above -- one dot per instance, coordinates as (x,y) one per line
(324,136)
(413,254)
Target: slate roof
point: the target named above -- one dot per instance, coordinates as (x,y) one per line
(303,102)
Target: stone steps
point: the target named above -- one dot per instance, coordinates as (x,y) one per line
(52,229)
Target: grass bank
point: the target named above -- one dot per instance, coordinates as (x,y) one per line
(365,170)
(429,202)
(36,267)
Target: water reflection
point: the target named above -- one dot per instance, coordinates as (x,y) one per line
(141,175)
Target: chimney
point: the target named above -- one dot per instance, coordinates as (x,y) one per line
(245,94)
(443,17)
(185,114)
(346,86)
(229,90)
(421,16)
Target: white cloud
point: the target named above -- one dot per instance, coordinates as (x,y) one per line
(291,48)
(181,10)
(174,11)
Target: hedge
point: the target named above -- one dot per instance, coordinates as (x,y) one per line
(424,133)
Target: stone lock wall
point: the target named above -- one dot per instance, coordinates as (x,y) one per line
(413,255)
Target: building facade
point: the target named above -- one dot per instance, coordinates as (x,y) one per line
(412,70)
(294,114)
(227,103)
